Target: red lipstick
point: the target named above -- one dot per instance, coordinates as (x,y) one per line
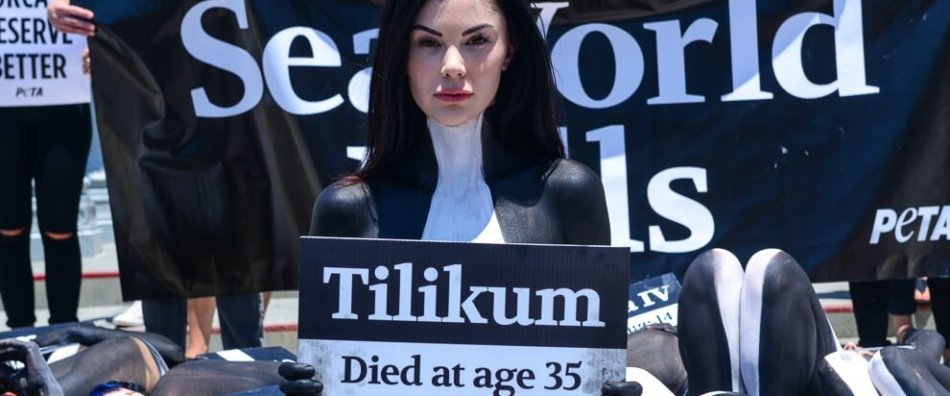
(453,95)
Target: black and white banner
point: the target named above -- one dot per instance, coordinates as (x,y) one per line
(816,127)
(39,65)
(414,317)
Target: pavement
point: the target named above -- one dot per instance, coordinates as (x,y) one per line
(101,294)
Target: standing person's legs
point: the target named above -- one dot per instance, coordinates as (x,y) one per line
(242,320)
(16,276)
(901,305)
(200,316)
(63,136)
(167,317)
(868,300)
(940,307)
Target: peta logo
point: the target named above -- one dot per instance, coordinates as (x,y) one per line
(926,223)
(460,307)
(28,92)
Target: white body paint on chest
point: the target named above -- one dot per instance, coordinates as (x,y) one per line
(462,208)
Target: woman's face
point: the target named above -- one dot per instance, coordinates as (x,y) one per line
(458,50)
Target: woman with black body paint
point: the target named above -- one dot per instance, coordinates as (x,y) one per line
(462,140)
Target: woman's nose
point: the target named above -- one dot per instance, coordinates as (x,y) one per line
(453,66)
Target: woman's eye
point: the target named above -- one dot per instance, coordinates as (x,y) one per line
(478,41)
(429,43)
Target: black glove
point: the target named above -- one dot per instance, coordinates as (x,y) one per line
(298,379)
(35,379)
(621,389)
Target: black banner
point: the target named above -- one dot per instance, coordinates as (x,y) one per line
(817,127)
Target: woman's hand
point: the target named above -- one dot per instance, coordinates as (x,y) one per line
(298,379)
(37,377)
(86,61)
(621,389)
(71,19)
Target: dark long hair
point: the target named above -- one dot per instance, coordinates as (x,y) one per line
(522,118)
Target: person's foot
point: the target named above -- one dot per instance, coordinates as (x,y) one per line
(192,354)
(132,317)
(194,350)
(853,347)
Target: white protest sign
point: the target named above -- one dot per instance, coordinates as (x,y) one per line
(39,65)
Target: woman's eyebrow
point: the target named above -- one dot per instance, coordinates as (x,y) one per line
(477,28)
(465,33)
(427,29)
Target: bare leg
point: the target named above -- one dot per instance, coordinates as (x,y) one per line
(901,323)
(200,316)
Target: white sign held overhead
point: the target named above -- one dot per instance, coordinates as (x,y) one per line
(39,65)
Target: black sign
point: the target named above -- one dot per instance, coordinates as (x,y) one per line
(366,304)
(466,293)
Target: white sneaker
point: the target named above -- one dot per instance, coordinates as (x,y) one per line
(132,317)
